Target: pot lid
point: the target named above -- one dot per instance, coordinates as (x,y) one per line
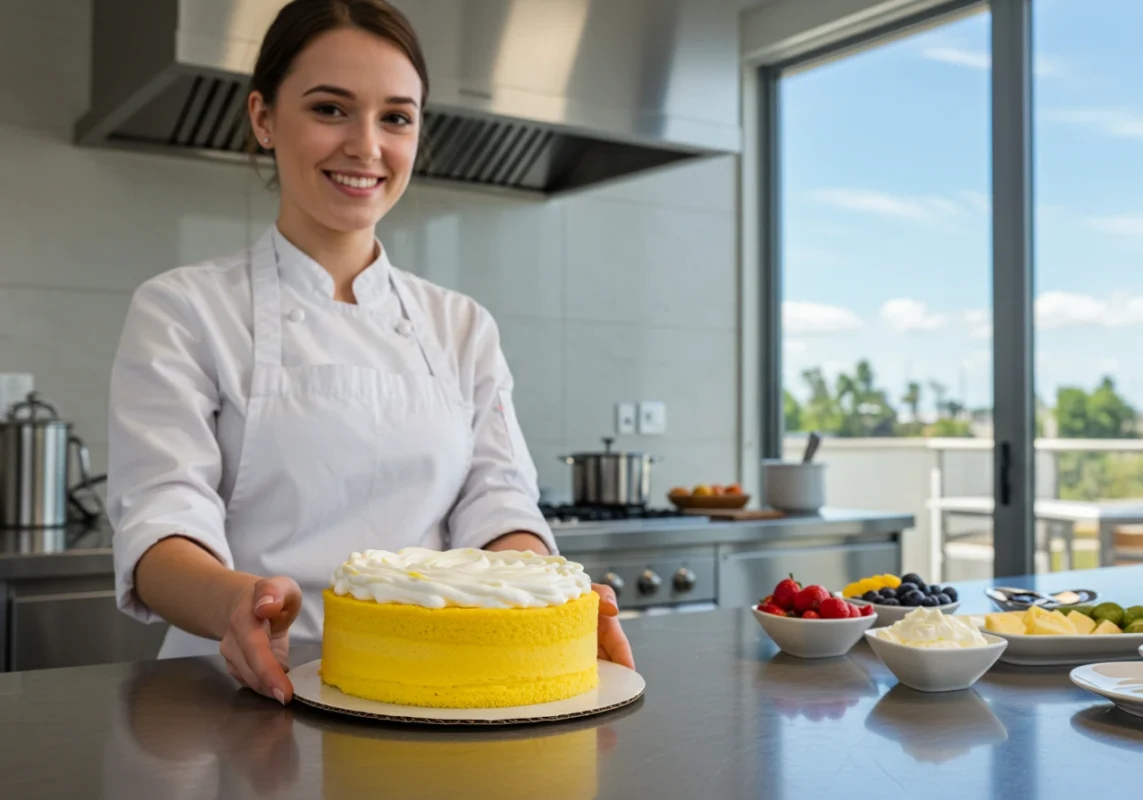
(607,451)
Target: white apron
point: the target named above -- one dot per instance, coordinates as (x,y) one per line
(338,458)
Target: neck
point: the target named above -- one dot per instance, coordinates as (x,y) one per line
(343,255)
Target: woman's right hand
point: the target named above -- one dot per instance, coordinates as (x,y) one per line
(256,644)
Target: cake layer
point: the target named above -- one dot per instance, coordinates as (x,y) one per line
(459,657)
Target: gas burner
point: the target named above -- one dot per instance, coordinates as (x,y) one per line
(574,513)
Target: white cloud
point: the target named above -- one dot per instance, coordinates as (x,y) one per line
(802,318)
(791,346)
(977,200)
(1044,67)
(1056,310)
(1118,122)
(1119,224)
(873,202)
(905,315)
(979,324)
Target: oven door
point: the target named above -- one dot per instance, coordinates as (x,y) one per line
(654,611)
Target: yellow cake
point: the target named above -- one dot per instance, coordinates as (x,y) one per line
(461,628)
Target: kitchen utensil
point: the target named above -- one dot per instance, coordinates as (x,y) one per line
(35,460)
(709,501)
(1026,650)
(618,686)
(812,445)
(934,669)
(1119,682)
(734,514)
(794,486)
(813,638)
(610,478)
(1010,599)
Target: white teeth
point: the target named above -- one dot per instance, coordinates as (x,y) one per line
(353,182)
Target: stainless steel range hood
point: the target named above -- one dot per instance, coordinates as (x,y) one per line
(538,95)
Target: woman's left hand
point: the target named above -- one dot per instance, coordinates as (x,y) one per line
(613,644)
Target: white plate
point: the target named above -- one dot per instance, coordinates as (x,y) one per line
(1049,651)
(1121,682)
(618,686)
(887,615)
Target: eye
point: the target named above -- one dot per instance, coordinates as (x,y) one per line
(397,118)
(328,110)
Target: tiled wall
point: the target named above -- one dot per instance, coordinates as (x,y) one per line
(622,293)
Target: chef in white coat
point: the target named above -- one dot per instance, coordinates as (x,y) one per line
(275,410)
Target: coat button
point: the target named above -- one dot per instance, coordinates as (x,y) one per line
(297,315)
(404,328)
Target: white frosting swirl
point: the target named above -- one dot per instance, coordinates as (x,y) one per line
(931,628)
(466,578)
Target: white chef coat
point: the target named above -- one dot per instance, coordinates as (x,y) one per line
(283,430)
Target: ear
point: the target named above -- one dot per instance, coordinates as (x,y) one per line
(261,119)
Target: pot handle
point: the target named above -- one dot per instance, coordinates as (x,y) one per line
(86,481)
(566,459)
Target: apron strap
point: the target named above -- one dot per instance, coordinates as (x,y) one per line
(430,348)
(267,302)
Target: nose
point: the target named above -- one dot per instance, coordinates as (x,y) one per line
(364,142)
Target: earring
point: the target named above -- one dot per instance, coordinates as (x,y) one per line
(266,140)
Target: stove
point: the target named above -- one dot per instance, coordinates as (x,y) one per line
(575,513)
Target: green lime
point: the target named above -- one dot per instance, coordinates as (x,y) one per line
(1132,614)
(1134,627)
(1085,610)
(1112,612)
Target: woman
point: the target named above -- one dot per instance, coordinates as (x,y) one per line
(274,411)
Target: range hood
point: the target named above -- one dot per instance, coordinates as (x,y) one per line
(543,96)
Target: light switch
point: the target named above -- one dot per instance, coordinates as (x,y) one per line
(652,418)
(624,419)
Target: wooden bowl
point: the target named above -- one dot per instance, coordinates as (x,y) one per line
(709,501)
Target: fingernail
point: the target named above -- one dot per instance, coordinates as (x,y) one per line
(267,599)
(281,698)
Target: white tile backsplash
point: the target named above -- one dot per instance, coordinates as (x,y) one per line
(626,292)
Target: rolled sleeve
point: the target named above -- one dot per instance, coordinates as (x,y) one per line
(164,463)
(501,494)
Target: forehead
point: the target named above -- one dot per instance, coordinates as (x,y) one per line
(361,62)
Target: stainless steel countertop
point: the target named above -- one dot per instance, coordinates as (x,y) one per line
(78,551)
(724,717)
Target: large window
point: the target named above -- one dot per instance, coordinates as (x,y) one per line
(1088,82)
(887,275)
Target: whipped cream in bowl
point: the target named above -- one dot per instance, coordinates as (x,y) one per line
(461,578)
(931,651)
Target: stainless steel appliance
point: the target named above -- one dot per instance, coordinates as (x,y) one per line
(35,459)
(542,96)
(610,478)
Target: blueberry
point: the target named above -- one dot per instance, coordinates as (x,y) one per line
(871,597)
(905,588)
(929,601)
(950,592)
(914,598)
(923,587)
(943,599)
(912,578)
(890,601)
(888,592)
(933,589)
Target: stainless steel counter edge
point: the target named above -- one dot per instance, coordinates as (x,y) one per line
(581,538)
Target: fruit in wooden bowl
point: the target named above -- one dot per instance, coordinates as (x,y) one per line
(712,496)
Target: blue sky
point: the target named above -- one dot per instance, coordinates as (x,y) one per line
(886,228)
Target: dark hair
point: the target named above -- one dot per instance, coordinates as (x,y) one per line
(301,21)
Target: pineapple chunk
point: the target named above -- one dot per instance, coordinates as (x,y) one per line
(1031,615)
(1106,626)
(1010,622)
(1082,622)
(1052,625)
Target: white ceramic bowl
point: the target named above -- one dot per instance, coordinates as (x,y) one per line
(929,670)
(814,638)
(887,615)
(794,486)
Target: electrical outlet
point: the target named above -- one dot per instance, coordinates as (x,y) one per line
(624,419)
(652,418)
(14,388)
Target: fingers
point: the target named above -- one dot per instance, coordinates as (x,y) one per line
(272,680)
(278,600)
(608,605)
(613,642)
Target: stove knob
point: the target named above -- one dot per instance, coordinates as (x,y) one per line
(684,580)
(649,582)
(615,582)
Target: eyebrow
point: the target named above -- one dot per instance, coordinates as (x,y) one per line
(325,88)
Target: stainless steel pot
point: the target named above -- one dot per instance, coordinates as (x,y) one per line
(610,478)
(35,450)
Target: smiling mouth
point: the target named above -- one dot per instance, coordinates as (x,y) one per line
(354,181)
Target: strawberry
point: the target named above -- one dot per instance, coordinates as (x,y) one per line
(867,611)
(785,591)
(810,598)
(770,608)
(811,615)
(854,610)
(834,608)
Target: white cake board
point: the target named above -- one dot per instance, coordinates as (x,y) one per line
(618,686)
